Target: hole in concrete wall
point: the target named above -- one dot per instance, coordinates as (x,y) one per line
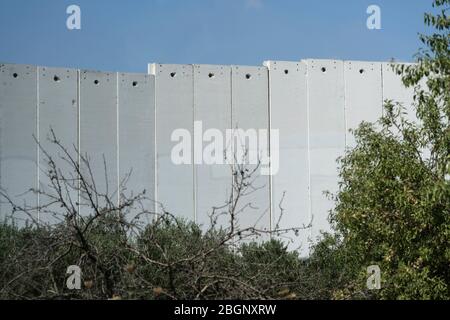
(248,76)
(96,82)
(135,83)
(173,74)
(15,75)
(361,71)
(211,75)
(286,71)
(324,69)
(56,79)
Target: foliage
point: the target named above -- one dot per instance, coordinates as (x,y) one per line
(393,204)
(169,259)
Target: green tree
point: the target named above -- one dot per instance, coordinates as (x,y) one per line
(393,204)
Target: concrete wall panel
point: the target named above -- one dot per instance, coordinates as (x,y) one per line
(212,106)
(393,89)
(137,134)
(289,115)
(98,130)
(174,110)
(58,111)
(18,149)
(363,95)
(250,110)
(327,135)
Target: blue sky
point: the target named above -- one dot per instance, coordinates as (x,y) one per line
(119,35)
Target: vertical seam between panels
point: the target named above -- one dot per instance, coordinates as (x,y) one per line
(155,150)
(346,128)
(194,170)
(228,144)
(382,89)
(79,137)
(38,139)
(269,97)
(1,153)
(308,115)
(117,139)
(152,70)
(232,135)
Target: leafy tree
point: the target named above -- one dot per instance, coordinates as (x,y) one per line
(393,204)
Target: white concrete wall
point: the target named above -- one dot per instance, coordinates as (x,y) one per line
(136,147)
(212,106)
(18,126)
(291,204)
(129,119)
(250,110)
(58,111)
(98,134)
(174,94)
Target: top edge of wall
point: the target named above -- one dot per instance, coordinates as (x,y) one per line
(320,60)
(239,66)
(273,64)
(270,62)
(356,61)
(52,68)
(4,64)
(397,63)
(212,66)
(153,66)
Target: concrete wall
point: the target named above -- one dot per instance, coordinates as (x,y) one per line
(110,117)
(127,121)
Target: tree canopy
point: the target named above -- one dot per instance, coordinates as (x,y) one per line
(393,204)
